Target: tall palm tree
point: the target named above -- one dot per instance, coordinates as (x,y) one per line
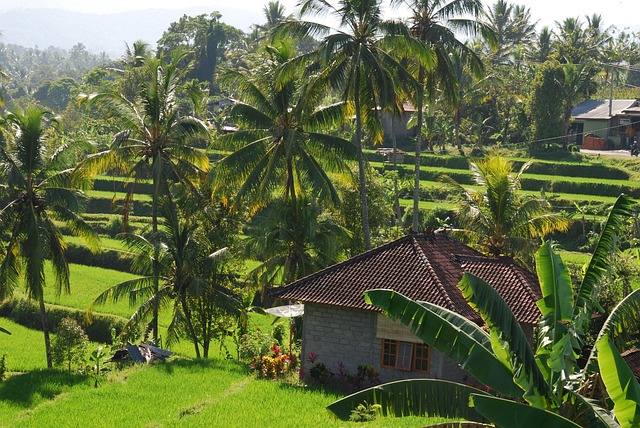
(512,26)
(38,194)
(175,255)
(282,142)
(274,13)
(354,59)
(153,142)
(435,23)
(498,217)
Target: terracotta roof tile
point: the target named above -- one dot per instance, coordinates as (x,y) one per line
(632,358)
(422,267)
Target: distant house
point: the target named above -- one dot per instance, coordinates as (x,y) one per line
(343,331)
(599,124)
(397,125)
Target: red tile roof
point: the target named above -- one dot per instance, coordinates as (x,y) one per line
(632,358)
(423,267)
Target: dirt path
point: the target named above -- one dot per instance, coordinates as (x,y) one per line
(612,153)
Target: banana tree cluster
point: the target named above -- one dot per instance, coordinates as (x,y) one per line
(524,386)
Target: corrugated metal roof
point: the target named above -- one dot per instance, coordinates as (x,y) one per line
(422,267)
(599,109)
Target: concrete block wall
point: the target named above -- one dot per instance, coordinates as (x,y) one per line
(339,335)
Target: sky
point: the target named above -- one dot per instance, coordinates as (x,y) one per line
(621,13)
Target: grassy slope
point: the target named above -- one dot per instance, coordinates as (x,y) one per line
(211,393)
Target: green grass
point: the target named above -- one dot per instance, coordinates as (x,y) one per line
(119,196)
(24,348)
(180,393)
(86,284)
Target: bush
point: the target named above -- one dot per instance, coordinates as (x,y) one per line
(27,314)
(255,344)
(107,259)
(70,344)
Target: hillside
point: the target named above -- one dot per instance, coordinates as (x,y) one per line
(102,33)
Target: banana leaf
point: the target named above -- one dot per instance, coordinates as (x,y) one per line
(621,324)
(453,341)
(600,259)
(586,412)
(413,397)
(508,340)
(622,386)
(509,414)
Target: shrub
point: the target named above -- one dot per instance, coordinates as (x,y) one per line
(365,412)
(70,344)
(107,259)
(255,344)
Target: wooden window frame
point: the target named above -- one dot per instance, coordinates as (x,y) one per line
(390,345)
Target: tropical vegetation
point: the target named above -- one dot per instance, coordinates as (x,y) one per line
(170,189)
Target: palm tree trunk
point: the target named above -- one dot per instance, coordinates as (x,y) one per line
(45,330)
(361,165)
(156,247)
(187,320)
(415,225)
(396,198)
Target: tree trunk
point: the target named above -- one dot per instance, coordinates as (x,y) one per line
(187,319)
(415,225)
(156,247)
(45,330)
(396,199)
(361,165)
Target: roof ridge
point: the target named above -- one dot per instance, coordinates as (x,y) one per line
(427,263)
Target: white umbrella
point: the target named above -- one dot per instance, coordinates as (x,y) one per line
(287,311)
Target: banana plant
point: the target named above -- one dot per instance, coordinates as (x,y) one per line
(539,385)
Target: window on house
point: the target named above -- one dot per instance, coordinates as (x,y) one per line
(405,355)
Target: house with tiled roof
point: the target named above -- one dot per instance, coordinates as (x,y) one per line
(343,331)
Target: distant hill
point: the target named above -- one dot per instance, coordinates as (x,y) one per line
(102,33)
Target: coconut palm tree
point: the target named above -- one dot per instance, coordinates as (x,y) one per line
(281,144)
(435,23)
(154,141)
(498,217)
(512,26)
(38,193)
(354,59)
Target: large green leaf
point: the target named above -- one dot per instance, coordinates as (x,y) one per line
(559,346)
(413,397)
(509,414)
(600,259)
(508,340)
(452,340)
(621,324)
(555,284)
(621,384)
(2,330)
